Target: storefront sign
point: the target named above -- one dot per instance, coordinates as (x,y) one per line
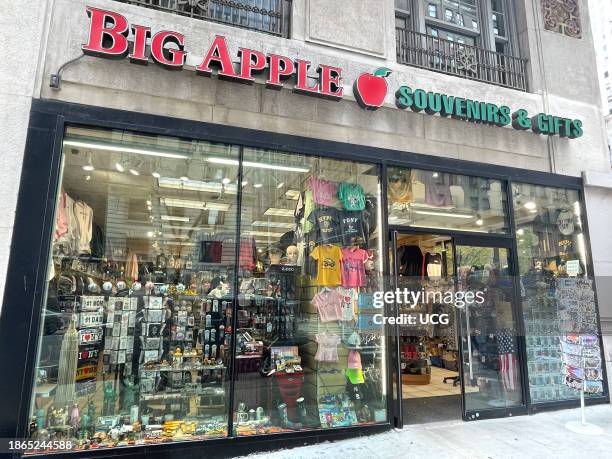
(108,38)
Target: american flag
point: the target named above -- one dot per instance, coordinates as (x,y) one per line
(508,365)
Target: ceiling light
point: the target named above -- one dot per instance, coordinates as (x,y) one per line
(148,202)
(273,224)
(479,222)
(277,212)
(520,232)
(87,178)
(280,185)
(245,182)
(175,236)
(150,233)
(184,178)
(189,204)
(435,175)
(134,172)
(443,214)
(171,218)
(89,166)
(257,185)
(195,185)
(292,194)
(124,149)
(263,233)
(226,180)
(119,167)
(156,175)
(279,167)
(530,205)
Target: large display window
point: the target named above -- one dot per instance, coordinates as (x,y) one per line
(433,199)
(308,354)
(561,324)
(170,256)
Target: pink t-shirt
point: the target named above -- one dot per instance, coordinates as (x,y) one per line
(353,269)
(323,192)
(329,304)
(328,347)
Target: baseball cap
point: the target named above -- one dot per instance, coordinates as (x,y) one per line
(354,360)
(355,375)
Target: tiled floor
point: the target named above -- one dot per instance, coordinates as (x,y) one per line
(436,387)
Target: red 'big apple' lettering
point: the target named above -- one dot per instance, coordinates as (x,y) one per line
(100,33)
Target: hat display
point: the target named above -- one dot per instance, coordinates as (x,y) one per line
(354,360)
(354,340)
(354,375)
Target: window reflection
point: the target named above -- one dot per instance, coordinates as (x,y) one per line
(432,199)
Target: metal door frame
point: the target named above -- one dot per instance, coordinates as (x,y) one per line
(509,245)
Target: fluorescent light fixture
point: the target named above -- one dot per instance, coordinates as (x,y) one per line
(442,214)
(176,236)
(171,218)
(189,204)
(448,228)
(530,205)
(279,167)
(273,224)
(257,185)
(119,167)
(277,212)
(124,149)
(292,194)
(263,233)
(134,172)
(195,185)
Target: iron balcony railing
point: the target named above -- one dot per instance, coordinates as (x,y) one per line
(268,16)
(433,53)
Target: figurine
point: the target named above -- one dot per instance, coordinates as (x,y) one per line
(177,357)
(110,395)
(75,417)
(128,395)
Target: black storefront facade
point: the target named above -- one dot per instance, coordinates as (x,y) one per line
(24,303)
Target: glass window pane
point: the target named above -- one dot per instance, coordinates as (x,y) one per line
(402,4)
(552,266)
(308,355)
(139,293)
(459,12)
(432,10)
(430,199)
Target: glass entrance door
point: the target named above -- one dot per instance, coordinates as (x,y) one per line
(491,374)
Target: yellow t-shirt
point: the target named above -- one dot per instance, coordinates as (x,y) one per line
(329,272)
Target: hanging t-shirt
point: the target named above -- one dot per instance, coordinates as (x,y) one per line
(349,303)
(328,264)
(323,191)
(84,218)
(309,206)
(329,305)
(353,270)
(353,226)
(352,196)
(327,224)
(328,347)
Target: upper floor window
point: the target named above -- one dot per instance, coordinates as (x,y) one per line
(470,38)
(268,16)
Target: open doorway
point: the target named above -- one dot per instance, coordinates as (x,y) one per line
(429,353)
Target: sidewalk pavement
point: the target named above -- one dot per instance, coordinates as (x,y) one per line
(542,435)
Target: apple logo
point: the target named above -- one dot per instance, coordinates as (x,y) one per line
(371,89)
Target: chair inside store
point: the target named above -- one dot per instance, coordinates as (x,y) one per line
(430,378)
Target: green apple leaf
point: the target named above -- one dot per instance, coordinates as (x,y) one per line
(382,72)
